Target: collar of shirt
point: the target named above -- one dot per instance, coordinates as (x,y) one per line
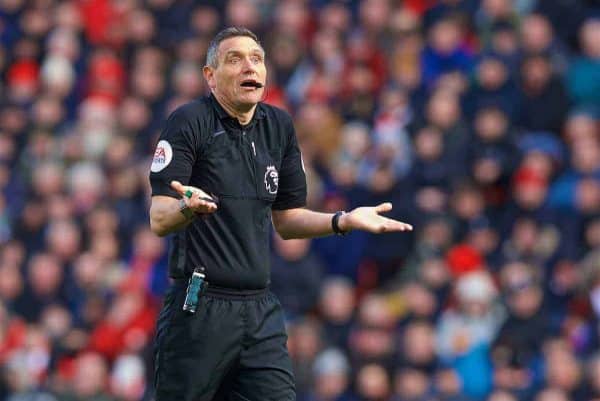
(259,113)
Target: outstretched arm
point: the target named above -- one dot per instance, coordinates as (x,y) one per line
(304,223)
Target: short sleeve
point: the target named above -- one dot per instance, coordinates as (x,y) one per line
(292,178)
(175,154)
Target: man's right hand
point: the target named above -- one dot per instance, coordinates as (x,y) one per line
(196,199)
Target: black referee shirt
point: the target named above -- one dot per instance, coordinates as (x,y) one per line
(251,169)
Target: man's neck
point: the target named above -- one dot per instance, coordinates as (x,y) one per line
(243,115)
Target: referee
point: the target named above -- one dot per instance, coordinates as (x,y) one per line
(225,167)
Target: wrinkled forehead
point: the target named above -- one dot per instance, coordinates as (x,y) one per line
(239,44)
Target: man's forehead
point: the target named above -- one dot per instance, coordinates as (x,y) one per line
(239,44)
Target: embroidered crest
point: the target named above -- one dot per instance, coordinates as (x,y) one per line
(271,180)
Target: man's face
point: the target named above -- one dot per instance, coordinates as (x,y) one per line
(241,66)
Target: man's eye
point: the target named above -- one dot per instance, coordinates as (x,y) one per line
(234,60)
(256,59)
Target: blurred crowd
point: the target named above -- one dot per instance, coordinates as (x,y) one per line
(478,119)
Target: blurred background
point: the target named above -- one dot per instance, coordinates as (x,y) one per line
(478,119)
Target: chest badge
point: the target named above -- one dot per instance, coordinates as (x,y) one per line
(271,180)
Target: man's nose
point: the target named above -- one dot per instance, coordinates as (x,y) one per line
(249,65)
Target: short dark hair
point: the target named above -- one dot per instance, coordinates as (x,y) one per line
(231,32)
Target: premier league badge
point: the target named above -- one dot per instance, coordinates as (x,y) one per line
(271,180)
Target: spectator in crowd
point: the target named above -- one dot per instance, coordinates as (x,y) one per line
(90,373)
(466,333)
(336,306)
(544,97)
(295,275)
(563,371)
(372,337)
(332,377)
(517,348)
(411,384)
(445,52)
(492,155)
(583,74)
(373,383)
(537,36)
(304,344)
(417,347)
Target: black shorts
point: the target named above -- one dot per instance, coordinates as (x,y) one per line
(232,348)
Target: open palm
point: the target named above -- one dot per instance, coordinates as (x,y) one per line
(369,219)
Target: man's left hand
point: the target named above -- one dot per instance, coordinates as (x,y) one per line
(369,219)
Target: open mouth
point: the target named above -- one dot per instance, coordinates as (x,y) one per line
(250,83)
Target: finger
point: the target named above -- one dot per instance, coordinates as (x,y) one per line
(407,227)
(209,208)
(203,206)
(395,225)
(383,207)
(185,190)
(177,186)
(208,198)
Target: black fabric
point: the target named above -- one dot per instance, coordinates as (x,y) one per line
(230,349)
(251,169)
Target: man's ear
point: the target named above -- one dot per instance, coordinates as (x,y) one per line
(209,75)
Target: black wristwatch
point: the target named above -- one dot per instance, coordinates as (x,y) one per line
(185,210)
(335,223)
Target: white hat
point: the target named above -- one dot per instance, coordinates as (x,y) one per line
(476,286)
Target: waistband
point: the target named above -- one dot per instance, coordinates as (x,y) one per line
(225,292)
